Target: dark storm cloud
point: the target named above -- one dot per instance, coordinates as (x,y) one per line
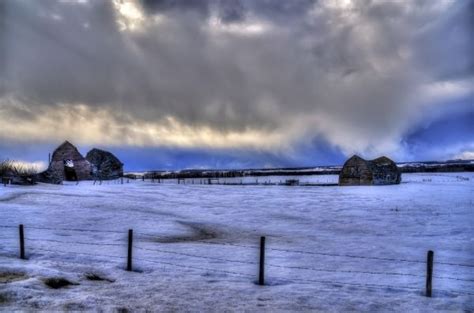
(237,10)
(201,7)
(358,76)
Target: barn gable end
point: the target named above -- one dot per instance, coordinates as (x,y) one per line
(355,171)
(67,163)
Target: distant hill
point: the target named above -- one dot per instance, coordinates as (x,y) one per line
(436,166)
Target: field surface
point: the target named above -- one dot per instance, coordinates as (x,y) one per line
(328,249)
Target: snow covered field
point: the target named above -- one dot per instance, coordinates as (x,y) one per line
(329,249)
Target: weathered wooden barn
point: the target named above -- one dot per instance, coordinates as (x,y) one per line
(105,165)
(66,163)
(381,171)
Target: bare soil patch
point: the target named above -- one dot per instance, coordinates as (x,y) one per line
(8,277)
(97,277)
(197,232)
(58,282)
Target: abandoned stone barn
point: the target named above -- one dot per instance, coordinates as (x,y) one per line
(66,163)
(105,165)
(381,171)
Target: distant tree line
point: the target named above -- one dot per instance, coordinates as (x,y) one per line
(424,167)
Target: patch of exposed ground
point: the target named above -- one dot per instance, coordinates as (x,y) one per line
(197,232)
(8,277)
(58,282)
(3,299)
(97,277)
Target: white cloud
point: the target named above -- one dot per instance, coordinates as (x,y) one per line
(84,125)
(242,28)
(466,155)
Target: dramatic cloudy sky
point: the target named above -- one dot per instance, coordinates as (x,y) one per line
(237,83)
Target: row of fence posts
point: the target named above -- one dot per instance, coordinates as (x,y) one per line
(261,273)
(201,181)
(215,181)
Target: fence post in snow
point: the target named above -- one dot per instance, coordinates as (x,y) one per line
(129,256)
(261,274)
(429,273)
(22,242)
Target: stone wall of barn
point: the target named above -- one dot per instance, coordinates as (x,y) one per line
(82,167)
(385,171)
(105,165)
(355,172)
(55,172)
(381,171)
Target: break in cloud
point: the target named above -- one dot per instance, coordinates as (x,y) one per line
(273,77)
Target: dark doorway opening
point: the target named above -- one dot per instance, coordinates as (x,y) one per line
(69,171)
(70,174)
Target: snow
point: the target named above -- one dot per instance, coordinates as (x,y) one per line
(329,249)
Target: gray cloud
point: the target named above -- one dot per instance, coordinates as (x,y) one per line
(232,11)
(360,76)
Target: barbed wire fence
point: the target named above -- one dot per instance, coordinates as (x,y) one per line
(122,242)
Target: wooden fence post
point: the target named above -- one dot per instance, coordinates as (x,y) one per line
(129,256)
(429,273)
(22,242)
(261,274)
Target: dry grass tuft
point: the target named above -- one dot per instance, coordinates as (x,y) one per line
(15,168)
